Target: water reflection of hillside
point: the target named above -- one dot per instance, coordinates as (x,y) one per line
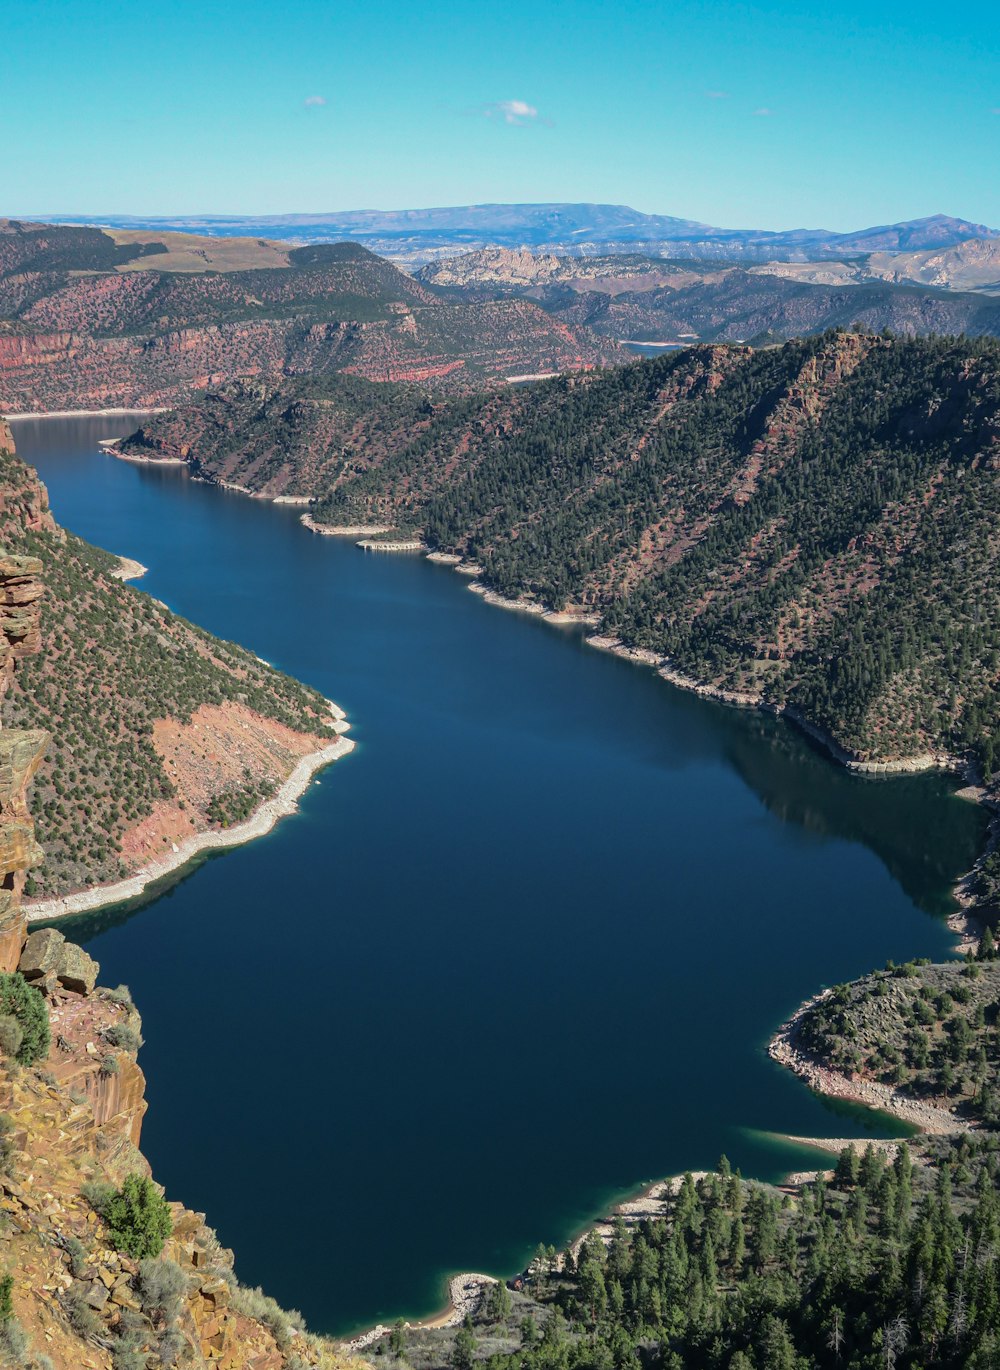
(84,927)
(914,824)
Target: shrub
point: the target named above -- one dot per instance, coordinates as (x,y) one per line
(254,1303)
(13,1343)
(123,1036)
(172,1346)
(162,1285)
(11,1035)
(23,1002)
(77,1257)
(98,1194)
(137,1217)
(82,1317)
(6,1298)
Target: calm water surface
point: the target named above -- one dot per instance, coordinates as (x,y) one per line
(517,954)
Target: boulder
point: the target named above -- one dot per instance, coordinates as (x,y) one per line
(76,970)
(47,954)
(41,953)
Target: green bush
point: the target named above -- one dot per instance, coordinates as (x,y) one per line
(26,1004)
(137,1217)
(6,1298)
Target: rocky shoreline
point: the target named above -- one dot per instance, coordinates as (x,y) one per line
(120,412)
(351,530)
(259,824)
(784,1049)
(465,1294)
(129,569)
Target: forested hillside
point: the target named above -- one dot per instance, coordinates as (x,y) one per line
(740,305)
(814,525)
(159,730)
(91,319)
(890,1262)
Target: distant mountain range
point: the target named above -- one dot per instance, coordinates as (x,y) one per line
(420,235)
(660,301)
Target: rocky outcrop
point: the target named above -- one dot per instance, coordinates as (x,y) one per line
(49,959)
(21,751)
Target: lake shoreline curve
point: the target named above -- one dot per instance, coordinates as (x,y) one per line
(786,1049)
(962,921)
(282,804)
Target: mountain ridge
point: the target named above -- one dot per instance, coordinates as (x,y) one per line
(760,523)
(551,224)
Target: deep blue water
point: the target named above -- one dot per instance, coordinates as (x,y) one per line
(519,952)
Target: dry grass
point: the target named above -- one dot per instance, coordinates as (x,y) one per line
(190,253)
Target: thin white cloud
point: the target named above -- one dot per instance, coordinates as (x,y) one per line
(512,112)
(314,101)
(763,113)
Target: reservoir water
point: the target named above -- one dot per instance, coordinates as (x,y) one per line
(517,954)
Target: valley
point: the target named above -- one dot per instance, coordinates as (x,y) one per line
(740,516)
(771,526)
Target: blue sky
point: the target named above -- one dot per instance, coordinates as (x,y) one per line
(773,114)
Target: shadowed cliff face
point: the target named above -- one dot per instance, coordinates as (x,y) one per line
(75,1115)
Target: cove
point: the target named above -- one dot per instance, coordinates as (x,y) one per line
(518,954)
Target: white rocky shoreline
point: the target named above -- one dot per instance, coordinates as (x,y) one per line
(113,413)
(260,822)
(784,1049)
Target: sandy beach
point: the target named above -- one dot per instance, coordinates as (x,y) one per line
(261,821)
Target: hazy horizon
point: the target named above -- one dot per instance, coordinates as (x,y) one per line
(772,116)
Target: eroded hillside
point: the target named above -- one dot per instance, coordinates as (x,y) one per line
(160,731)
(89,321)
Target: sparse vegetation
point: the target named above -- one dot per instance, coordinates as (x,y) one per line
(254,1303)
(237,803)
